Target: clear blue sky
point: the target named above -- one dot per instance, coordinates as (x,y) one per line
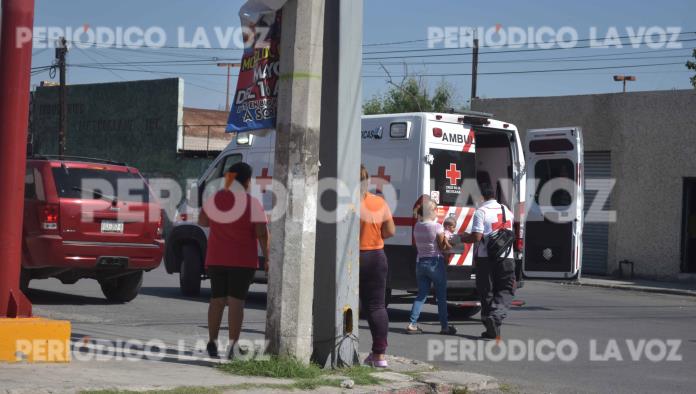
(395,21)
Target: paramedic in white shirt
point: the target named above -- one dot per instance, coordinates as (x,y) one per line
(495,283)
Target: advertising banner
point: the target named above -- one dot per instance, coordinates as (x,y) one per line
(255,102)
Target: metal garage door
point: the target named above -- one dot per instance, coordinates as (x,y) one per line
(595,234)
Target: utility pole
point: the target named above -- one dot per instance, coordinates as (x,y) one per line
(229,67)
(291,274)
(61,51)
(474,67)
(336,277)
(14,111)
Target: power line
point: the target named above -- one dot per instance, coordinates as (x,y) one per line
(598,57)
(402,76)
(94,60)
(530,71)
(627,37)
(490,52)
(517,61)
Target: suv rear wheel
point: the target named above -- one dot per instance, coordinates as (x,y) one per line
(190,271)
(123,288)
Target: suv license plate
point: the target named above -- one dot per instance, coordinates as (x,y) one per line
(109,226)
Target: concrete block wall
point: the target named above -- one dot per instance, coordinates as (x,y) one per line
(136,122)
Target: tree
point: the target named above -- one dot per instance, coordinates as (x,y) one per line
(692,66)
(411,95)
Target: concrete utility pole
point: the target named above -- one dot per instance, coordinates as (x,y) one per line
(229,67)
(61,51)
(14,111)
(474,67)
(290,289)
(336,276)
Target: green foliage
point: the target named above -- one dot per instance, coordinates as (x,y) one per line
(411,96)
(691,65)
(274,367)
(306,377)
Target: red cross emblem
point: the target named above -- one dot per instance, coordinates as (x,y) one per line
(499,224)
(380,179)
(264,180)
(453,174)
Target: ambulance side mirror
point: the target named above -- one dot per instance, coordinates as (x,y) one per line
(194,196)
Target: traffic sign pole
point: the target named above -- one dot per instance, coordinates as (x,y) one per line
(17,20)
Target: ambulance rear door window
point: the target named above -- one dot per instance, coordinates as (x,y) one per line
(447,173)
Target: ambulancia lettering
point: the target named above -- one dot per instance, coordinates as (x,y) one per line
(457,138)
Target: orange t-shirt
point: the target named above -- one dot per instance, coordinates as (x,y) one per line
(373,212)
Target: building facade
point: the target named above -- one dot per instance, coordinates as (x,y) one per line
(646,141)
(141,123)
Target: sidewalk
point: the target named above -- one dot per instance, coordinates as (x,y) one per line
(200,376)
(649,286)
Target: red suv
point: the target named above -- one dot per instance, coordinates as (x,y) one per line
(89,218)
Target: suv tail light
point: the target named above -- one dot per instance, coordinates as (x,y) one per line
(160,230)
(48,217)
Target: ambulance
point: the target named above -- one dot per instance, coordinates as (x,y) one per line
(443,156)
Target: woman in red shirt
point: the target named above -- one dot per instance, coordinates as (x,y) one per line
(237,224)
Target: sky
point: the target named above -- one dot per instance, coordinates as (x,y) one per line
(401,29)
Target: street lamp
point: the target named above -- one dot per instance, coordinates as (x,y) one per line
(229,66)
(624,78)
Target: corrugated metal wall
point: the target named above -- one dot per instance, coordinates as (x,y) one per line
(595,234)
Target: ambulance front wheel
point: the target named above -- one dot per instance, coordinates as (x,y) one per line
(190,271)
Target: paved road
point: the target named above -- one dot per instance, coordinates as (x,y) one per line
(552,311)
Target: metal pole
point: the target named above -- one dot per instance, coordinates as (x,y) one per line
(17,17)
(62,99)
(293,240)
(227,95)
(336,277)
(229,66)
(474,69)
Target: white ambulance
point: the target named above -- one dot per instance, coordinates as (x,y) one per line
(441,156)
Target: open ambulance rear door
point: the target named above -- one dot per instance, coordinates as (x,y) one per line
(554,203)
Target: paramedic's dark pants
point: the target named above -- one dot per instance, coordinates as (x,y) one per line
(373,283)
(495,284)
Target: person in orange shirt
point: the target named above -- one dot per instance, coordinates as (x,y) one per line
(376,225)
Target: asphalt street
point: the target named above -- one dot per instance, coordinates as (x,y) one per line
(615,320)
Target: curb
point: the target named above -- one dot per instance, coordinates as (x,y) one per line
(642,289)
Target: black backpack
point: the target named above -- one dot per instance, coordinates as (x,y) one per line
(500,242)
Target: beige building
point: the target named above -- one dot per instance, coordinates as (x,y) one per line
(647,142)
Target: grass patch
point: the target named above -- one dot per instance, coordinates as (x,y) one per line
(274,367)
(360,374)
(178,390)
(306,377)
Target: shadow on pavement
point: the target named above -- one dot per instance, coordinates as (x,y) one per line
(255,299)
(47,297)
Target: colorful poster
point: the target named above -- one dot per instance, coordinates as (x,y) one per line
(255,103)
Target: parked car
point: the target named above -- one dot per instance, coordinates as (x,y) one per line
(78,224)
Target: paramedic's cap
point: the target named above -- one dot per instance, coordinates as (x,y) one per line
(487,191)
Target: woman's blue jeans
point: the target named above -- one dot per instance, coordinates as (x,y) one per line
(431,270)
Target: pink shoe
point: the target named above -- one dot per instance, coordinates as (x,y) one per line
(370,361)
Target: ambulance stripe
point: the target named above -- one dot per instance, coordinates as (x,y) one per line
(467,146)
(462,229)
